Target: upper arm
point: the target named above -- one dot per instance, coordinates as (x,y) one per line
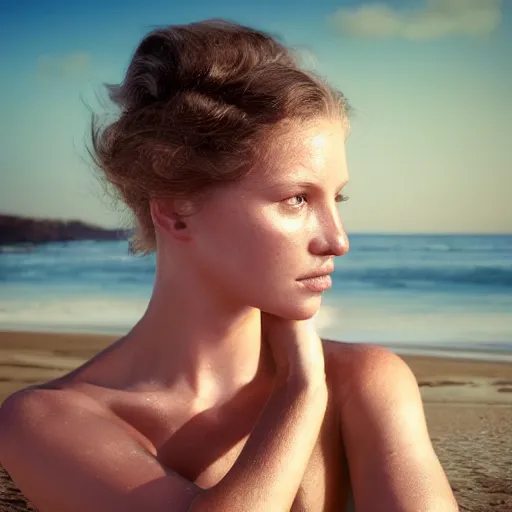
(65,456)
(390,455)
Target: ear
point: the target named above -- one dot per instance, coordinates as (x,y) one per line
(166,213)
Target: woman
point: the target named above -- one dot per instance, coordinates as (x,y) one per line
(222,397)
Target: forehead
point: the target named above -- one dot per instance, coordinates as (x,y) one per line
(312,152)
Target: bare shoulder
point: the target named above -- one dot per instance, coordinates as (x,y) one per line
(29,414)
(64,451)
(391,458)
(358,369)
(350,354)
(38,400)
(35,406)
(61,412)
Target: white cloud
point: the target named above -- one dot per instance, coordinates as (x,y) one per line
(70,65)
(439,18)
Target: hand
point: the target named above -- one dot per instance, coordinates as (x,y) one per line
(296,348)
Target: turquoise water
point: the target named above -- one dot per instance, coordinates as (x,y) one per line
(415,293)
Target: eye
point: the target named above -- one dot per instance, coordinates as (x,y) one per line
(297,205)
(340,198)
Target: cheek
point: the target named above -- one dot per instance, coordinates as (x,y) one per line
(285,239)
(271,226)
(274,254)
(261,242)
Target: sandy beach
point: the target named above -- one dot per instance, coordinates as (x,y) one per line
(468,405)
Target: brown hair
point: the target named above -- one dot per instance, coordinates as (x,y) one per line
(197,105)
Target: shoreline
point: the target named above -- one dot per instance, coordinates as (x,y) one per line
(413,349)
(28,357)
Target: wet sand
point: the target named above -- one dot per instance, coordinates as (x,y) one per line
(468,405)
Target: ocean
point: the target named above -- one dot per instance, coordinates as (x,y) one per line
(422,294)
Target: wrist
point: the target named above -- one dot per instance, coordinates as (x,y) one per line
(301,384)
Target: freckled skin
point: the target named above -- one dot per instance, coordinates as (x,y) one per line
(178,396)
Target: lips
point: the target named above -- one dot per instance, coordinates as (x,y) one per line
(317,284)
(318,281)
(320,273)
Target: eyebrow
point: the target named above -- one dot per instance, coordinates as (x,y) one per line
(305,183)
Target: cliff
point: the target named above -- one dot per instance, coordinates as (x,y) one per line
(24,230)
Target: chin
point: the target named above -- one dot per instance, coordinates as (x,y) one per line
(301,310)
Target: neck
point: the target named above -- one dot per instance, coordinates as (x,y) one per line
(206,349)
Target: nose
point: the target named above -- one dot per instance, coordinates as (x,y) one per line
(331,239)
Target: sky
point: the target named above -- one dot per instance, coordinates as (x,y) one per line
(430,82)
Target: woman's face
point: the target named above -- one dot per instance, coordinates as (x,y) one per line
(254,240)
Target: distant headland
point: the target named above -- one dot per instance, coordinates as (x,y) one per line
(26,230)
